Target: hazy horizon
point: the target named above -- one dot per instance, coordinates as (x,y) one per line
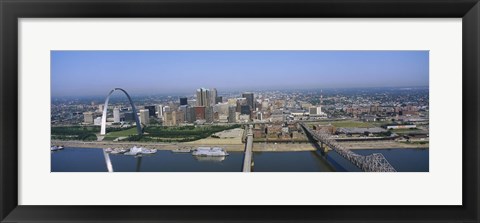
(94,73)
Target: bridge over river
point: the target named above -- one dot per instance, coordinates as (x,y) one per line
(372,163)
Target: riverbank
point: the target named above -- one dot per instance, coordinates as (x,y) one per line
(150,145)
(257,147)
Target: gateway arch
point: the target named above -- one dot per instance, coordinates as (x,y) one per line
(104,116)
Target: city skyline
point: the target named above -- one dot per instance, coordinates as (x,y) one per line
(92,73)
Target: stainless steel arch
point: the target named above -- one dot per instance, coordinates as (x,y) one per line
(104,115)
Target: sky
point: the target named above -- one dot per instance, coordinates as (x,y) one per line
(95,73)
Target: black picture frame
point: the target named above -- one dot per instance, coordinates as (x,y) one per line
(12,10)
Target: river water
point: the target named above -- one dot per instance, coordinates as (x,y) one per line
(92,160)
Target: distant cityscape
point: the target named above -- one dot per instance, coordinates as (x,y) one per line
(401,107)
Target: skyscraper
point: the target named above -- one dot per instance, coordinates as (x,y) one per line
(144,116)
(240,102)
(184,109)
(190,116)
(116,115)
(183,101)
(231,114)
(199,113)
(245,110)
(250,100)
(160,111)
(178,117)
(167,118)
(213,96)
(209,114)
(151,110)
(203,97)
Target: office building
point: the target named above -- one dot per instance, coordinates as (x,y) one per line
(178,117)
(245,110)
(144,116)
(315,110)
(250,100)
(209,114)
(183,101)
(213,96)
(160,111)
(168,118)
(190,115)
(231,114)
(221,109)
(184,109)
(240,102)
(203,97)
(116,115)
(151,110)
(199,113)
(88,117)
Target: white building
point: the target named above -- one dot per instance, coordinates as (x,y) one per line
(160,111)
(97,121)
(213,96)
(144,117)
(316,110)
(116,115)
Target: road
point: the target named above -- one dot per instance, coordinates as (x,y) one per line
(247,161)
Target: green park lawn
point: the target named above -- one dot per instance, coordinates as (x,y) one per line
(123,133)
(151,133)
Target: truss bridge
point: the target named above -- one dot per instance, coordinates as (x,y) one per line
(372,163)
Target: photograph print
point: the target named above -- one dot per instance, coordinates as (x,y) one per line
(239,111)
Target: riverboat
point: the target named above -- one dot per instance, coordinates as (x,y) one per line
(139,150)
(209,151)
(119,151)
(55,148)
(148,151)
